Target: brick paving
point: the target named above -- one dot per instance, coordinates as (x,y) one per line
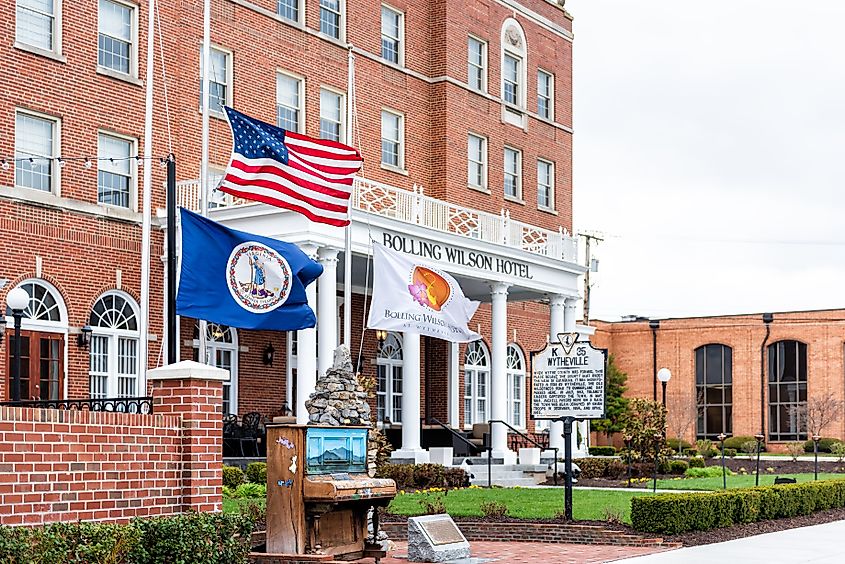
(538,553)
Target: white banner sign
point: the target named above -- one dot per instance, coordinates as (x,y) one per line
(409,295)
(567,380)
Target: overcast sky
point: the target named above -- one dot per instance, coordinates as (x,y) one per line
(709,152)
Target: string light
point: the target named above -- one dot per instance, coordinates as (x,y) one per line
(61,162)
(87,163)
(162,162)
(5,164)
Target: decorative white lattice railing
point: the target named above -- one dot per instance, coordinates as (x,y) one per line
(416,208)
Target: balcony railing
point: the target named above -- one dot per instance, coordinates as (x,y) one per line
(416,208)
(120,405)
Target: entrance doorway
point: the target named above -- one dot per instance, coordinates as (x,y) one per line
(42,365)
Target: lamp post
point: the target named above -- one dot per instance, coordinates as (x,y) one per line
(816,439)
(653,324)
(722,438)
(17,300)
(767,320)
(628,443)
(664,375)
(759,438)
(657,438)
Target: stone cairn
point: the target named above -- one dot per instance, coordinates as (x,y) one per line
(338,398)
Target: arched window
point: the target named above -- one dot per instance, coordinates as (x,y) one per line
(476,378)
(516,386)
(514,72)
(787,390)
(45,303)
(714,390)
(222,351)
(113,352)
(389,379)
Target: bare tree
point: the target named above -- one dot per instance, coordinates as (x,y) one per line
(819,412)
(682,416)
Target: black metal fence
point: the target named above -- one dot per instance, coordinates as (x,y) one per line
(119,405)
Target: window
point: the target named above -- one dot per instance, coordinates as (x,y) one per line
(36,144)
(36,24)
(288,9)
(289,98)
(115,49)
(476,377)
(115,177)
(113,360)
(219,77)
(477,161)
(510,78)
(392,139)
(545,184)
(221,351)
(787,391)
(477,64)
(513,173)
(392,23)
(713,390)
(44,303)
(516,386)
(389,379)
(545,94)
(330,18)
(514,77)
(331,115)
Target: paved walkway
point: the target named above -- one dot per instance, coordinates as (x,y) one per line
(536,553)
(819,544)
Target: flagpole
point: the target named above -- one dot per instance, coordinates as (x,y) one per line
(347,249)
(146,206)
(206,64)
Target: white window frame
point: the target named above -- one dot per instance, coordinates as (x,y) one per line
(113,338)
(300,12)
(341,23)
(55,169)
(551,186)
(514,114)
(550,99)
(229,78)
(471,396)
(482,163)
(390,365)
(342,97)
(133,43)
(513,373)
(211,347)
(56,30)
(133,168)
(484,65)
(300,84)
(519,174)
(400,165)
(400,41)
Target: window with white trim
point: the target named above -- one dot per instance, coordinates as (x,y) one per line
(113,351)
(36,23)
(116,49)
(513,70)
(392,35)
(44,303)
(331,18)
(392,139)
(219,78)
(545,184)
(545,94)
(221,351)
(116,171)
(288,9)
(476,379)
(511,88)
(477,161)
(513,172)
(515,369)
(389,379)
(36,145)
(477,64)
(289,96)
(331,115)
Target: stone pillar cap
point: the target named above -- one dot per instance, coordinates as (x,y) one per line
(188,370)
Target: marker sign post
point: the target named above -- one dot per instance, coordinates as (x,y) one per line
(568,384)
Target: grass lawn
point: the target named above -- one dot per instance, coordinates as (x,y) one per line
(736,481)
(523,502)
(235,505)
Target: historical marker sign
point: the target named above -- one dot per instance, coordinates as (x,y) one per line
(567,380)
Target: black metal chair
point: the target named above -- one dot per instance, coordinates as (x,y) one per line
(231,436)
(251,431)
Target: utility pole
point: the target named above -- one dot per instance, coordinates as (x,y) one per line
(589,237)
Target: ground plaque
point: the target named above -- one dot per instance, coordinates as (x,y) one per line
(435,538)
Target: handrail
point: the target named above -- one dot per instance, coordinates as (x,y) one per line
(454,433)
(526,437)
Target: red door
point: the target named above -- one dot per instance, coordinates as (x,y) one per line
(42,365)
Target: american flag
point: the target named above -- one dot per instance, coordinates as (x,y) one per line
(289,170)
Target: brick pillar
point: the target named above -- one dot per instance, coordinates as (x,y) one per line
(194,392)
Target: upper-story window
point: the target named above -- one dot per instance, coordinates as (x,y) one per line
(545,94)
(392,139)
(477,161)
(289,96)
(511,88)
(36,145)
(331,18)
(514,78)
(331,115)
(115,174)
(288,9)
(477,64)
(36,24)
(545,184)
(392,35)
(220,79)
(513,173)
(116,42)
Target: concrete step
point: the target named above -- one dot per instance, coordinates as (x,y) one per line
(498,474)
(504,482)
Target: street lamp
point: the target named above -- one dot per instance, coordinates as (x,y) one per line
(629,441)
(759,438)
(722,438)
(664,375)
(17,300)
(767,321)
(654,324)
(658,438)
(816,439)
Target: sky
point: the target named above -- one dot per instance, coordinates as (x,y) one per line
(708,153)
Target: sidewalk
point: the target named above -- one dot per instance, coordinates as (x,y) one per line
(819,544)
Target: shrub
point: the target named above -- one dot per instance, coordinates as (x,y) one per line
(838,450)
(706,472)
(402,474)
(429,475)
(256,472)
(421,476)
(610,468)
(696,462)
(825,444)
(795,450)
(739,440)
(678,445)
(679,513)
(494,509)
(232,476)
(434,506)
(603,450)
(705,447)
(228,492)
(455,478)
(250,490)
(730,452)
(691,452)
(750,448)
(678,466)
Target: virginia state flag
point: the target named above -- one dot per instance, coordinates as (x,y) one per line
(243,280)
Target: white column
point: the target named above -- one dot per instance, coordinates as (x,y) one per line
(454,392)
(569,311)
(306,354)
(556,325)
(411,446)
(327,309)
(498,372)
